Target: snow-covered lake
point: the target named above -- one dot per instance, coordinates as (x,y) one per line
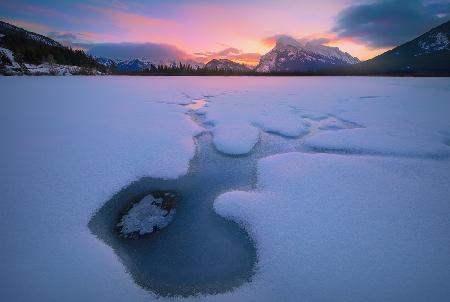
(342,184)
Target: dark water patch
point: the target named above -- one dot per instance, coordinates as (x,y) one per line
(199,252)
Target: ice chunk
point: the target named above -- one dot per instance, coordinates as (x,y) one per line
(145,216)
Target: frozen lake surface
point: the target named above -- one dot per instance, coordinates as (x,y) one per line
(292,188)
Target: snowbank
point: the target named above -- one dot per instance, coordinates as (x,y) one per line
(380,141)
(72,143)
(344,228)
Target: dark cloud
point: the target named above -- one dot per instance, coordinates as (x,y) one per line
(386,23)
(315,41)
(149,51)
(229,53)
(73,39)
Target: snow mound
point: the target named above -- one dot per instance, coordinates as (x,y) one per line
(236,118)
(235,139)
(379,141)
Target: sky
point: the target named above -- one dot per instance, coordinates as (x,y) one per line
(238,30)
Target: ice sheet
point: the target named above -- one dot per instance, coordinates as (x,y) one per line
(329,227)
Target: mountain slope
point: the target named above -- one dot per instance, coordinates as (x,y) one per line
(226,65)
(428,53)
(292,55)
(30,48)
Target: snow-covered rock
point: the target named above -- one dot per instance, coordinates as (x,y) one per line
(145,217)
(10,65)
(290,54)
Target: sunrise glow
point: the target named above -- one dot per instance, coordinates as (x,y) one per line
(202,30)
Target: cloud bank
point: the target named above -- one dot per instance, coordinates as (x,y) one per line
(149,51)
(315,40)
(387,23)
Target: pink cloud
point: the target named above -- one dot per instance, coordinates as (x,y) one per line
(124,18)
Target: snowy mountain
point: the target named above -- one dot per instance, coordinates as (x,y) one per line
(428,53)
(227,65)
(106,62)
(133,65)
(290,54)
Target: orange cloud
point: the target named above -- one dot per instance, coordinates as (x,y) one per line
(230,53)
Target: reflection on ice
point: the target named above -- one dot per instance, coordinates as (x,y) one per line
(197,104)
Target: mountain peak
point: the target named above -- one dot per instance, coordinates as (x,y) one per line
(429,52)
(291,55)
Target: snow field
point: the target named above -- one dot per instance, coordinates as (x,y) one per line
(328,227)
